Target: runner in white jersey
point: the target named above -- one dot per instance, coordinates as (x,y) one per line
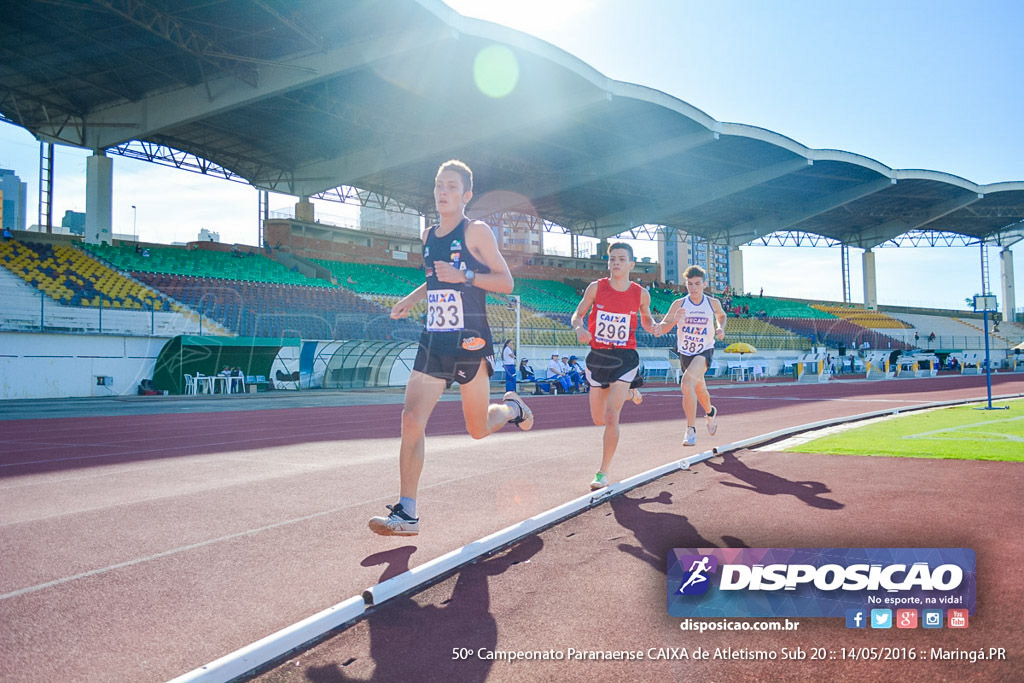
(699,320)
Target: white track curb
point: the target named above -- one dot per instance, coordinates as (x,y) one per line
(251,657)
(244,660)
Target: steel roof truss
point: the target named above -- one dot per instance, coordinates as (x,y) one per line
(178,107)
(751,230)
(872,237)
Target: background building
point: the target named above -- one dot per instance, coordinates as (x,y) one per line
(679,250)
(14,193)
(74,221)
(384,222)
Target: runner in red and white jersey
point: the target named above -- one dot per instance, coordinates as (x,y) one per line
(615,305)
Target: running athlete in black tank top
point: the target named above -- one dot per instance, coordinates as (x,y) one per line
(462,263)
(456,322)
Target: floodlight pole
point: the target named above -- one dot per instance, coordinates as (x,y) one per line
(987,303)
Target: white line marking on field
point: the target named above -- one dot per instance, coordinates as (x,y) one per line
(966,434)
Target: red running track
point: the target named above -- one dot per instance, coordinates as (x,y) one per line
(139,548)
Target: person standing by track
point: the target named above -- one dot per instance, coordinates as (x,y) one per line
(508,362)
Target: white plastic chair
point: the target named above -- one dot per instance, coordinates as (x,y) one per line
(674,369)
(190,385)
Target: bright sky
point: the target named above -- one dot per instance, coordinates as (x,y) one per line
(917,84)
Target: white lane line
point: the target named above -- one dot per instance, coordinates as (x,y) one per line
(958,428)
(250,532)
(724,397)
(166,553)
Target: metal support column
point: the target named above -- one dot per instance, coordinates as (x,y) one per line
(844,251)
(264,213)
(984,270)
(46,186)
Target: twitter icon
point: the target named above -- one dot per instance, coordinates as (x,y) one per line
(881,618)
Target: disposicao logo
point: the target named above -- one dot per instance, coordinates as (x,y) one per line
(821,582)
(696,581)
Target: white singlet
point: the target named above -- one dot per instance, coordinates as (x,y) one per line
(695,331)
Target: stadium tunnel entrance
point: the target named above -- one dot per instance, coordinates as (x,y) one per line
(355,364)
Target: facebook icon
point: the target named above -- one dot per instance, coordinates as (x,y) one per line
(856,618)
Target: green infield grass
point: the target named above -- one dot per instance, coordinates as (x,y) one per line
(961,433)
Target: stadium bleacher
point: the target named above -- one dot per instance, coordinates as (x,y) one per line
(863,317)
(71,277)
(952,332)
(263,309)
(836,331)
(258,296)
(367,278)
(775,308)
(547,296)
(253,267)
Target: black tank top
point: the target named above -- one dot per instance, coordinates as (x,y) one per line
(456,314)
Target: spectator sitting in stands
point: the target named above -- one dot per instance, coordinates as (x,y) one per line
(350,280)
(527,374)
(574,386)
(576,374)
(7,234)
(931,337)
(138,248)
(145,253)
(555,373)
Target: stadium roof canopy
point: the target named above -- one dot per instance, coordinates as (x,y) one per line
(300,96)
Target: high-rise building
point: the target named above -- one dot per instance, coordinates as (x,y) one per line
(517,232)
(74,221)
(15,193)
(679,250)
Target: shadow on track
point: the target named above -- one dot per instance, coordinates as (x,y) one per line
(768,484)
(414,642)
(659,532)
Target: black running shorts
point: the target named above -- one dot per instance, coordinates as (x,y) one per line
(452,369)
(684,361)
(605,366)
